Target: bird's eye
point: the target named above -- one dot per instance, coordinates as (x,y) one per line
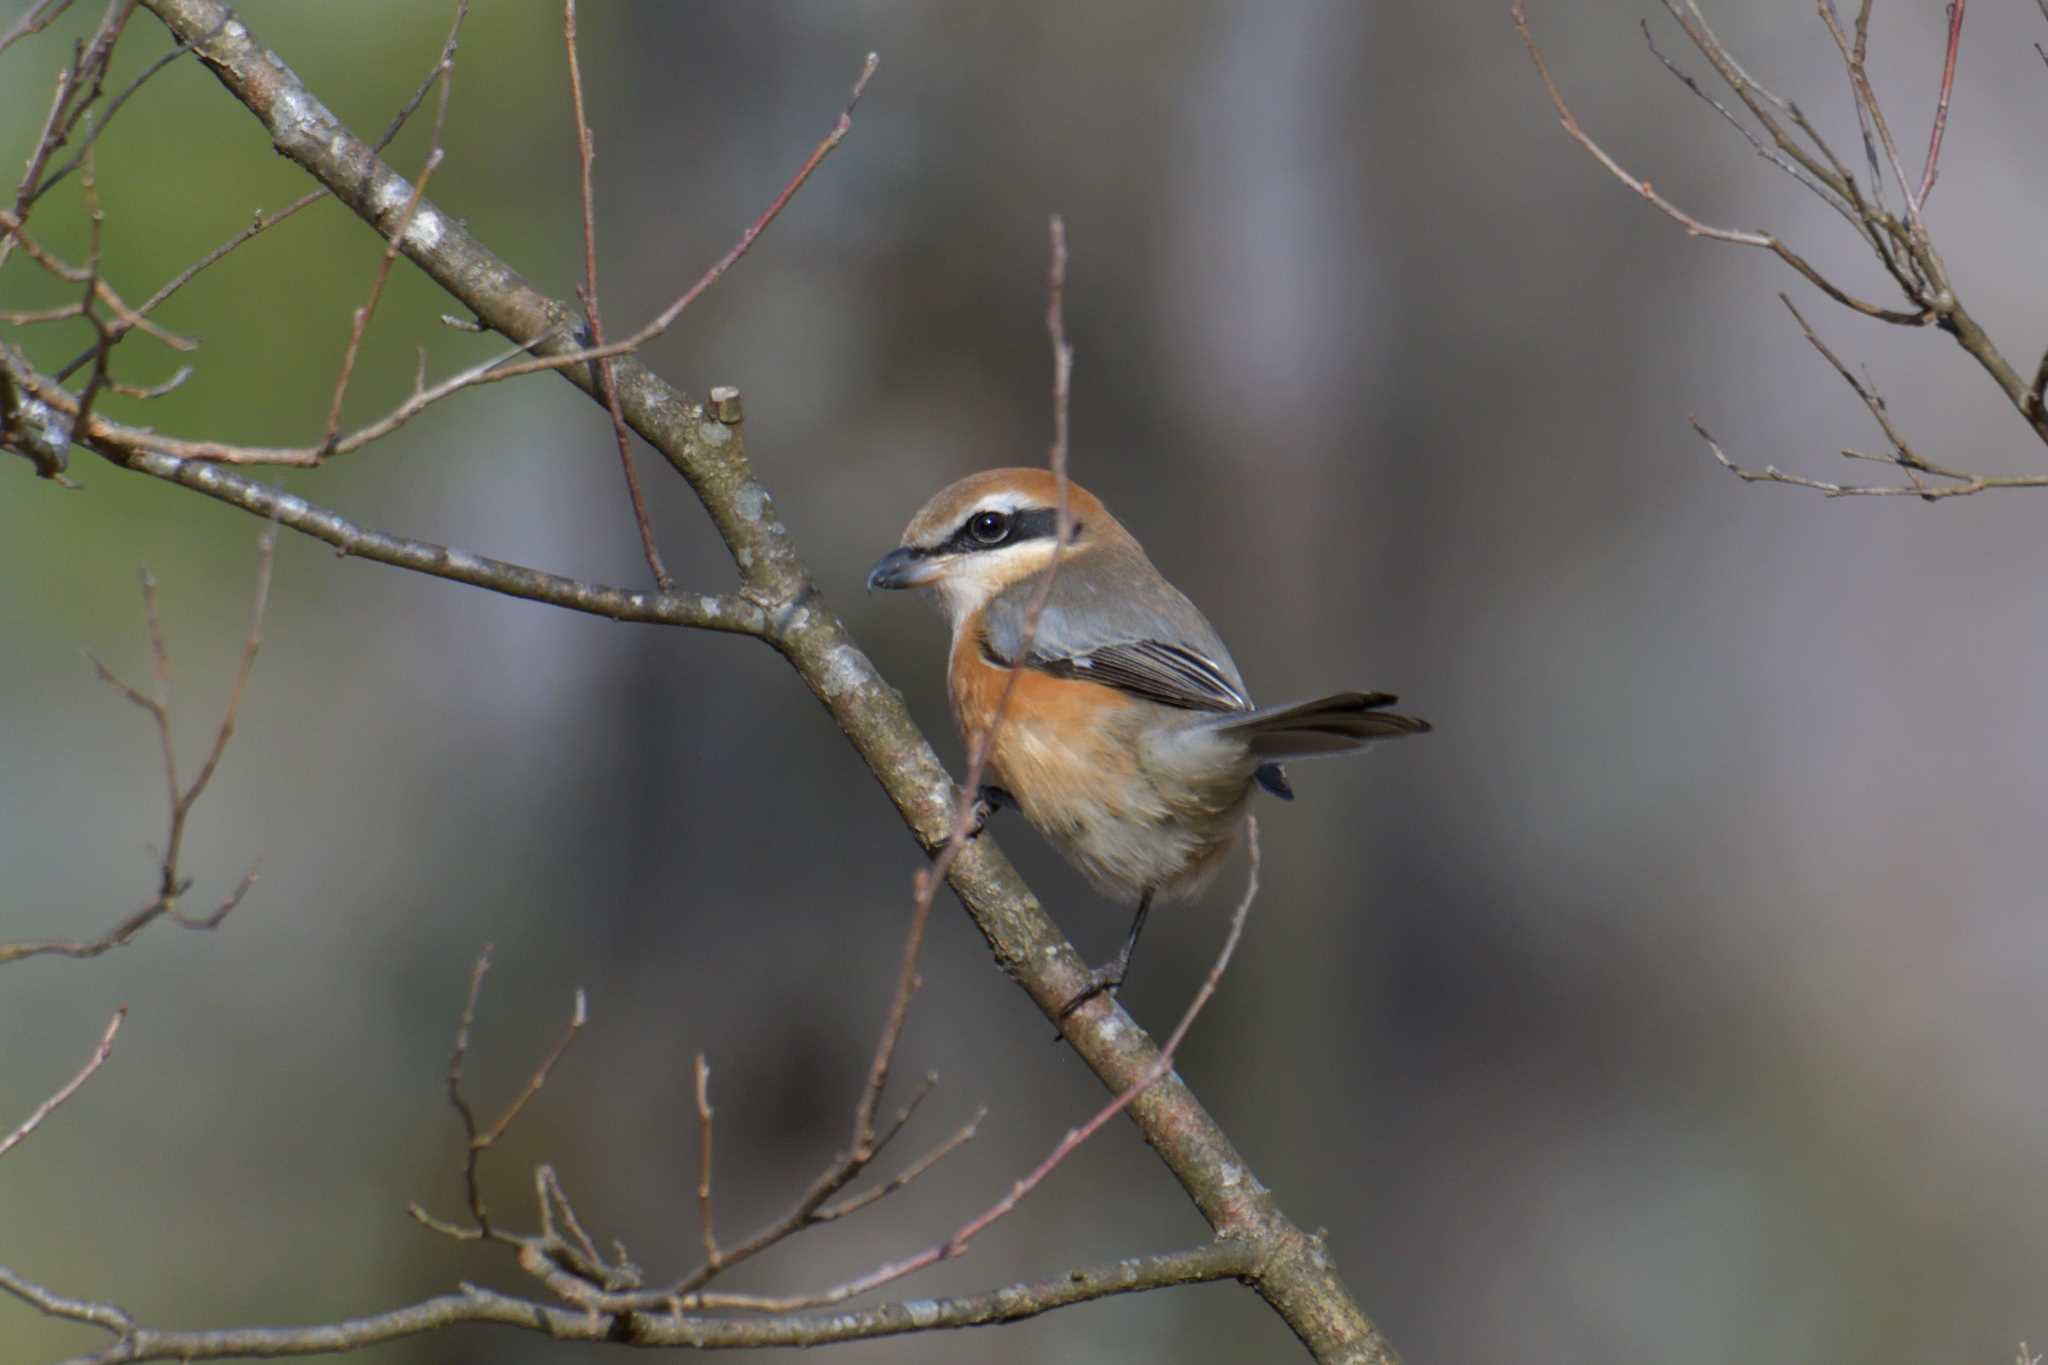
(990,528)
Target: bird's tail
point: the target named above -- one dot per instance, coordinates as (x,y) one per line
(1327,725)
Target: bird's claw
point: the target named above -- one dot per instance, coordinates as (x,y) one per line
(987,801)
(1102,980)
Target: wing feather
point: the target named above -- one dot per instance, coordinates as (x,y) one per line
(1142,637)
(1172,675)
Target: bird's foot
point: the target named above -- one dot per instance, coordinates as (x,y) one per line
(987,801)
(1102,980)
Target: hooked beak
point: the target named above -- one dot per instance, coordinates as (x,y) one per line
(904,567)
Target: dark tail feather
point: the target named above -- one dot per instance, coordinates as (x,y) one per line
(1273,778)
(1327,725)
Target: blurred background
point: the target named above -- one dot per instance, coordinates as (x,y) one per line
(1679,998)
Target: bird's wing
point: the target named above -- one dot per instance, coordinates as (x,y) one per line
(1149,641)
(1169,674)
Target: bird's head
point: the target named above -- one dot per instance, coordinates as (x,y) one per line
(986,533)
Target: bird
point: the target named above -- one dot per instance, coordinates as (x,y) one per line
(1129,742)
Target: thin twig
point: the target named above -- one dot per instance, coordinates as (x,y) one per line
(172,883)
(478,1139)
(361,320)
(459,1101)
(69,1088)
(1767,152)
(95,220)
(1903,454)
(1868,112)
(760,225)
(586,152)
(1222,1259)
(867,1141)
(704,1115)
(78,89)
(513,364)
(929,879)
(578,1017)
(444,62)
(1692,225)
(1971,483)
(264,222)
(1948,80)
(99,126)
(959,1138)
(957,1244)
(103,291)
(38,16)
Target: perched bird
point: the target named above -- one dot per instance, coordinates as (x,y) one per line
(1130,741)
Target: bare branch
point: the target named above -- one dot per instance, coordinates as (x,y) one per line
(172,884)
(458,1101)
(1290,1270)
(78,89)
(99,126)
(1970,483)
(1692,225)
(87,276)
(509,366)
(1902,454)
(479,1140)
(1218,1260)
(69,1088)
(957,1244)
(129,446)
(264,222)
(1769,153)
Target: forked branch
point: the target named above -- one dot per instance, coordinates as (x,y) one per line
(1902,243)
(172,883)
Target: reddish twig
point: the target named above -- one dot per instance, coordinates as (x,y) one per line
(1948,80)
(957,1244)
(983,744)
(264,222)
(69,1088)
(586,152)
(760,225)
(868,1140)
(361,320)
(1692,225)
(508,366)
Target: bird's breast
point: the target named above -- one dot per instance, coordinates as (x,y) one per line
(1080,759)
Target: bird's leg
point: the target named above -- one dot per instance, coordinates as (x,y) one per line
(988,799)
(1110,975)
